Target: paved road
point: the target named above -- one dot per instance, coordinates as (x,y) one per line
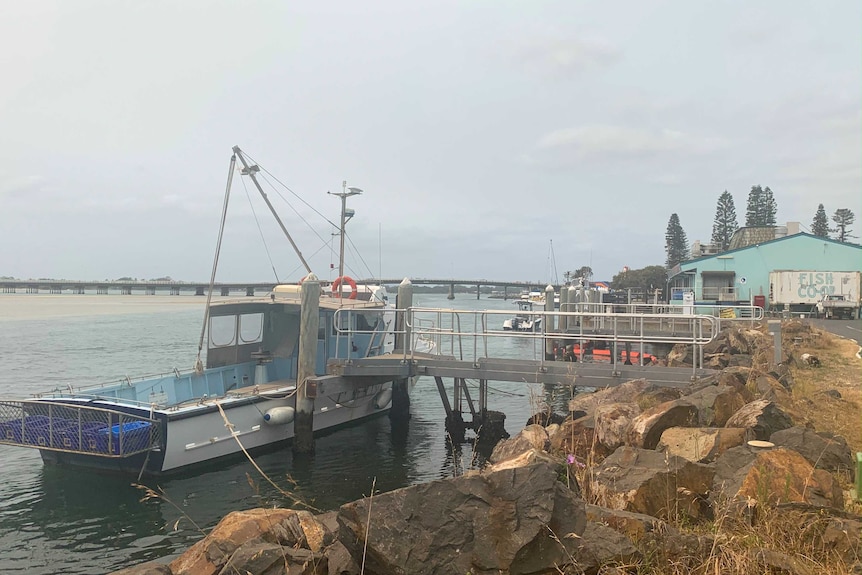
(851,329)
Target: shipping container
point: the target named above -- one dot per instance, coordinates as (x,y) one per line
(795,287)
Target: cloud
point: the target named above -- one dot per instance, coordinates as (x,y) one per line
(566,56)
(22,186)
(603,142)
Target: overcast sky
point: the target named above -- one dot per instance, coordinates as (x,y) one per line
(481,132)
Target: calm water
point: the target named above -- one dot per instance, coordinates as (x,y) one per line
(60,520)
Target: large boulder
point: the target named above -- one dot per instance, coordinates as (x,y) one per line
(649,482)
(296,529)
(613,422)
(772,476)
(531,437)
(601,545)
(762,417)
(769,388)
(646,428)
(632,525)
(700,444)
(339,561)
(587,402)
(822,450)
(519,520)
(680,356)
(715,404)
(578,437)
(737,377)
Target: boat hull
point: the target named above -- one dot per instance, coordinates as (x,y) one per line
(204,433)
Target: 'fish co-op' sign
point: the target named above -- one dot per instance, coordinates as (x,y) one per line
(814,284)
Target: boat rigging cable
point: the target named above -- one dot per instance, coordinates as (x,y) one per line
(199,366)
(260,231)
(266,175)
(251,171)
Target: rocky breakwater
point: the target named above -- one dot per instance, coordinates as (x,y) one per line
(634,479)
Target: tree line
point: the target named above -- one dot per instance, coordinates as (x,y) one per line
(761,211)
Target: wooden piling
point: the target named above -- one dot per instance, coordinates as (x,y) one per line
(403,302)
(400,411)
(309,322)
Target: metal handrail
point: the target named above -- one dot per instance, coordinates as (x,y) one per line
(618,328)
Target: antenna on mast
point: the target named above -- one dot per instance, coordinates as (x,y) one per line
(346,214)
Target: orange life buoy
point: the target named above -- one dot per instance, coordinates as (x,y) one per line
(336,285)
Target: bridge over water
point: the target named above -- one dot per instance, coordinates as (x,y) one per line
(224,288)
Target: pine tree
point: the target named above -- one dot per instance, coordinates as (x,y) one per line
(725,221)
(770,208)
(676,243)
(820,223)
(754,210)
(762,209)
(843,218)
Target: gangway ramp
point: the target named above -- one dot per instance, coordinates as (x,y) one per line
(345,375)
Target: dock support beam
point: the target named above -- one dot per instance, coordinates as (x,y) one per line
(399,414)
(309,322)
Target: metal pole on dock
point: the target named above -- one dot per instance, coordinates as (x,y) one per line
(400,411)
(309,322)
(564,307)
(549,321)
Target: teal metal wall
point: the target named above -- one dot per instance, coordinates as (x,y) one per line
(753,263)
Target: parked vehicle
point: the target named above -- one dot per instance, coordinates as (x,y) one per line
(800,290)
(836,306)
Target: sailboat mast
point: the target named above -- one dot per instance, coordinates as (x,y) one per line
(251,171)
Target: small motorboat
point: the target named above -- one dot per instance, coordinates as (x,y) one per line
(524,320)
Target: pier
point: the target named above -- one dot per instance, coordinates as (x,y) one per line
(461,341)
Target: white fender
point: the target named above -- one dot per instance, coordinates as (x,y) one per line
(279,415)
(383,398)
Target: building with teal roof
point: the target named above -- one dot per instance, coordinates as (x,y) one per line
(742,275)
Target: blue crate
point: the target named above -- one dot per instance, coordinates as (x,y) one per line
(46,433)
(135,437)
(71,436)
(32,429)
(94,438)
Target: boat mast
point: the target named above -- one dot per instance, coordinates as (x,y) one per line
(251,171)
(345,217)
(199,366)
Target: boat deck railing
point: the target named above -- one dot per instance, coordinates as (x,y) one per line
(72,428)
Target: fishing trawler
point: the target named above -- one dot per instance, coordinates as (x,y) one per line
(241,397)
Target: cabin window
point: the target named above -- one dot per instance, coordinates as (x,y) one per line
(222,330)
(250,328)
